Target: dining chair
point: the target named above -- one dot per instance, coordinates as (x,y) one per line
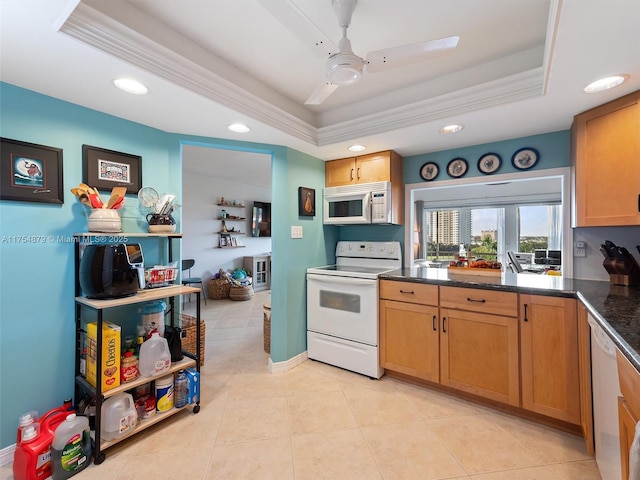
(188,280)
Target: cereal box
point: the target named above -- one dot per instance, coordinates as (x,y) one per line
(110,354)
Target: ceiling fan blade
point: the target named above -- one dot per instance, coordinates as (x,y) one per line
(321,93)
(300,25)
(407,54)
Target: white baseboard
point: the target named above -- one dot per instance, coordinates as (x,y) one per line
(6,455)
(285,366)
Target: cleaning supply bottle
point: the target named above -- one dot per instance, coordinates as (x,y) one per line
(155,356)
(71,447)
(32,456)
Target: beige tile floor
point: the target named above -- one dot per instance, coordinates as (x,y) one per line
(320,422)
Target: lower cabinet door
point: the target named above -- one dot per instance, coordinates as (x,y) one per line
(479,354)
(549,355)
(627,423)
(409,339)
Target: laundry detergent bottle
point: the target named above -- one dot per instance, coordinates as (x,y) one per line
(71,447)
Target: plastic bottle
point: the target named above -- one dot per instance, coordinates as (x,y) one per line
(32,456)
(71,447)
(181,389)
(119,416)
(155,356)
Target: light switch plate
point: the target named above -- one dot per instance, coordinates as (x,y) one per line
(579,249)
(296,231)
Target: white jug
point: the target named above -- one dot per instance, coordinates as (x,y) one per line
(119,416)
(155,356)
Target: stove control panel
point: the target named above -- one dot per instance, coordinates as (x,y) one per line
(386,250)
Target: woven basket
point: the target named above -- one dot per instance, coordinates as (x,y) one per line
(189,335)
(218,289)
(241,293)
(266,308)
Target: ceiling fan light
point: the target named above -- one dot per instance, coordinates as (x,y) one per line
(344,69)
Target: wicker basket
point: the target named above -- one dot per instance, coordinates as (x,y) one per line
(189,334)
(240,293)
(218,289)
(266,308)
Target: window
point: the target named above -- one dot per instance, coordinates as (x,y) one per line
(489,232)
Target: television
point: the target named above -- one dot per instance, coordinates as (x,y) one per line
(261,219)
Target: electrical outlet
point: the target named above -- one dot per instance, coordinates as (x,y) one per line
(579,249)
(296,231)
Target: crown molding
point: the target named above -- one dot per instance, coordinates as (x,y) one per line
(505,90)
(93,27)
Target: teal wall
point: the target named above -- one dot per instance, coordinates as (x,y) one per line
(37,278)
(553,149)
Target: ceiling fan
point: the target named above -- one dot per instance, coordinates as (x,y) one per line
(346,68)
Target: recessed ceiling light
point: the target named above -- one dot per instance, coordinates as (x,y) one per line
(606,83)
(239,128)
(130,86)
(451,128)
(357,148)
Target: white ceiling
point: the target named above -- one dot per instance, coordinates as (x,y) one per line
(518,69)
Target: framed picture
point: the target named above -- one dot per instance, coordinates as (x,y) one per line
(30,172)
(306,202)
(525,158)
(457,167)
(489,163)
(429,171)
(105,169)
(223,241)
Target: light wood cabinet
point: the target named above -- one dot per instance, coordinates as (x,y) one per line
(584,364)
(409,340)
(628,408)
(627,422)
(605,152)
(549,357)
(376,167)
(479,354)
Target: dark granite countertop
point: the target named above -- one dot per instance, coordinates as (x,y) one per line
(615,308)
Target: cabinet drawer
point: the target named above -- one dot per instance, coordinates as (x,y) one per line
(478,300)
(629,379)
(409,292)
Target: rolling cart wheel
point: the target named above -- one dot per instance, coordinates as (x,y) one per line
(100,458)
(196,408)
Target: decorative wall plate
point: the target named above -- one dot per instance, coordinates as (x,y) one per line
(457,167)
(489,163)
(525,158)
(429,171)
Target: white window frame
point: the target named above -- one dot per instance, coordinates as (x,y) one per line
(563,173)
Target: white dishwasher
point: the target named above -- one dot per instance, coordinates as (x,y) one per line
(606,390)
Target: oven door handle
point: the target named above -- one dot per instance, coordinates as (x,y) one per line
(333,279)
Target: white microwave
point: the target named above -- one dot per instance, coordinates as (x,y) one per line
(367,203)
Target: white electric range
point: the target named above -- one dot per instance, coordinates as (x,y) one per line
(342,305)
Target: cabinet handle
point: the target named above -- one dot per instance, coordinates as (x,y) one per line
(639,202)
(358,173)
(351,175)
(525,313)
(444,324)
(433,324)
(408,292)
(474,300)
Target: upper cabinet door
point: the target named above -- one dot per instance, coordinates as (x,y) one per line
(340,172)
(606,156)
(376,167)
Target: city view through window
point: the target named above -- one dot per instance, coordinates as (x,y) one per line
(489,233)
